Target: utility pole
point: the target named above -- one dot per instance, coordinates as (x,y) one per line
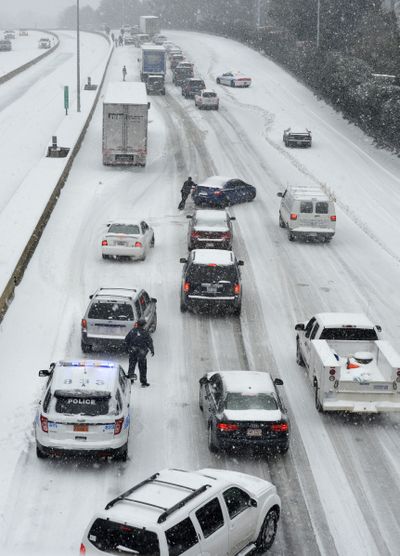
(78,62)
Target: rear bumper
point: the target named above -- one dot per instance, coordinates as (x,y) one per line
(203,303)
(103,341)
(261,443)
(94,452)
(121,251)
(312,232)
(359,406)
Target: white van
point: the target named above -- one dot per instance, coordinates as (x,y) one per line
(307,212)
(210,512)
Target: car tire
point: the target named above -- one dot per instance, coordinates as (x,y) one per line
(183,308)
(318,405)
(153,325)
(232,83)
(299,357)
(237,311)
(122,454)
(40,454)
(86,348)
(105,256)
(281,222)
(200,404)
(212,446)
(267,534)
(152,242)
(218,81)
(291,236)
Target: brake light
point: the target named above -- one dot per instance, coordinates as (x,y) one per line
(138,244)
(186,287)
(236,289)
(211,264)
(104,243)
(217,192)
(82,550)
(84,323)
(280,427)
(293,216)
(195,234)
(226,235)
(118,425)
(333,217)
(44,423)
(227,427)
(332,371)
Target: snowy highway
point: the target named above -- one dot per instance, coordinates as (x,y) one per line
(340,480)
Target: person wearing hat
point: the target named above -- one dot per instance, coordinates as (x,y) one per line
(138,343)
(185,192)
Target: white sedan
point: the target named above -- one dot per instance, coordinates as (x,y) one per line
(234,79)
(127,239)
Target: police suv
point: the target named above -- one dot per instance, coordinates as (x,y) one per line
(84,410)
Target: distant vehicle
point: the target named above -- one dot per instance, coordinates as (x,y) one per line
(192,86)
(159,39)
(44,43)
(220,191)
(111,314)
(155,84)
(234,79)
(175,59)
(297,138)
(209,511)
(211,229)
(172,51)
(140,39)
(150,24)
(125,29)
(23,33)
(211,281)
(125,121)
(9,35)
(129,39)
(348,363)
(307,212)
(243,409)
(152,61)
(206,100)
(169,45)
(84,410)
(181,72)
(127,238)
(5,45)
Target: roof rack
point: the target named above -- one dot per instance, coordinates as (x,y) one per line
(128,492)
(180,504)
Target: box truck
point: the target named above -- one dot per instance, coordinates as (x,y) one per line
(152,61)
(125,119)
(149,24)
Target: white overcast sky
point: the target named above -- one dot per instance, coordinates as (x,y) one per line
(19,13)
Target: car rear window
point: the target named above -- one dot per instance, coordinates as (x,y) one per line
(72,403)
(118,538)
(212,274)
(236,400)
(209,95)
(124,229)
(359,334)
(321,207)
(197,83)
(306,207)
(110,311)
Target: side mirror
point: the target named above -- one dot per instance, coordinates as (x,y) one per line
(278,382)
(44,372)
(148,105)
(280,194)
(232,218)
(189,216)
(240,263)
(154,299)
(182,260)
(203,380)
(91,296)
(299,326)
(378,327)
(253,503)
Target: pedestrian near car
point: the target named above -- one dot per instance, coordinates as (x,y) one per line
(124,72)
(138,343)
(185,192)
(120,40)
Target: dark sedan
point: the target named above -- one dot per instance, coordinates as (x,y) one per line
(219,191)
(243,408)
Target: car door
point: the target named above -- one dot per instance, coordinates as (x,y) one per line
(307,339)
(213,526)
(242,518)
(214,393)
(226,78)
(183,538)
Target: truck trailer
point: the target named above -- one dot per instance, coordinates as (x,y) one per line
(152,61)
(125,120)
(149,24)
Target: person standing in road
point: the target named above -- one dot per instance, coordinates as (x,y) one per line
(138,343)
(124,72)
(185,192)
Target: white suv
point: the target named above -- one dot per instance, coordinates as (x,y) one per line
(84,410)
(210,511)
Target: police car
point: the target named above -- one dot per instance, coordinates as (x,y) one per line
(84,410)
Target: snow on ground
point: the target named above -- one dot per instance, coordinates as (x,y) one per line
(340,481)
(23,50)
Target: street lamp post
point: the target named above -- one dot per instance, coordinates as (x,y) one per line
(78,62)
(318,21)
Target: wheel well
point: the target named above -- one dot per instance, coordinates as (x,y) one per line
(315,382)
(277,509)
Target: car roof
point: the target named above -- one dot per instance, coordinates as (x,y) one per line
(215,181)
(308,192)
(213,256)
(114,293)
(126,221)
(339,320)
(80,374)
(204,217)
(254,382)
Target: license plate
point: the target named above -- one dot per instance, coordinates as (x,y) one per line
(210,244)
(254,432)
(381,387)
(212,289)
(203,194)
(81,428)
(121,243)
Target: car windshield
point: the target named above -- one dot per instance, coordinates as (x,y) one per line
(110,311)
(235,400)
(359,334)
(120,538)
(130,229)
(73,404)
(212,274)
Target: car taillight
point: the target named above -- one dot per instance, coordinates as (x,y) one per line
(44,423)
(195,234)
(333,218)
(217,192)
(82,550)
(227,427)
(138,244)
(280,427)
(226,235)
(84,323)
(186,287)
(236,289)
(332,371)
(118,425)
(293,216)
(104,243)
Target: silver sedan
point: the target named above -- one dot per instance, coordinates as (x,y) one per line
(127,239)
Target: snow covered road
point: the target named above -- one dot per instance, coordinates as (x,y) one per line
(340,481)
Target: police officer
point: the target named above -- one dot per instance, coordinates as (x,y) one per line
(185,192)
(138,343)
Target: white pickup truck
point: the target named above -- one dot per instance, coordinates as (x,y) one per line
(351,368)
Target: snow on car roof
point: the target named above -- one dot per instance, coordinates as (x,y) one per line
(116,292)
(211,216)
(254,382)
(155,47)
(209,91)
(337,320)
(90,375)
(213,256)
(125,93)
(214,181)
(308,192)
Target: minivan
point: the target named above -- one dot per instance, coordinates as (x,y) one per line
(307,212)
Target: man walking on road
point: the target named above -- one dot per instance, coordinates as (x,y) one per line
(138,343)
(124,72)
(185,192)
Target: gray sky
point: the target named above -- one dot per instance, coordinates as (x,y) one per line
(41,13)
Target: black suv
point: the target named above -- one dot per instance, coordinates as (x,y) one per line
(192,86)
(211,281)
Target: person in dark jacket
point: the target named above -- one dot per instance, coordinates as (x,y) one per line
(138,343)
(185,192)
